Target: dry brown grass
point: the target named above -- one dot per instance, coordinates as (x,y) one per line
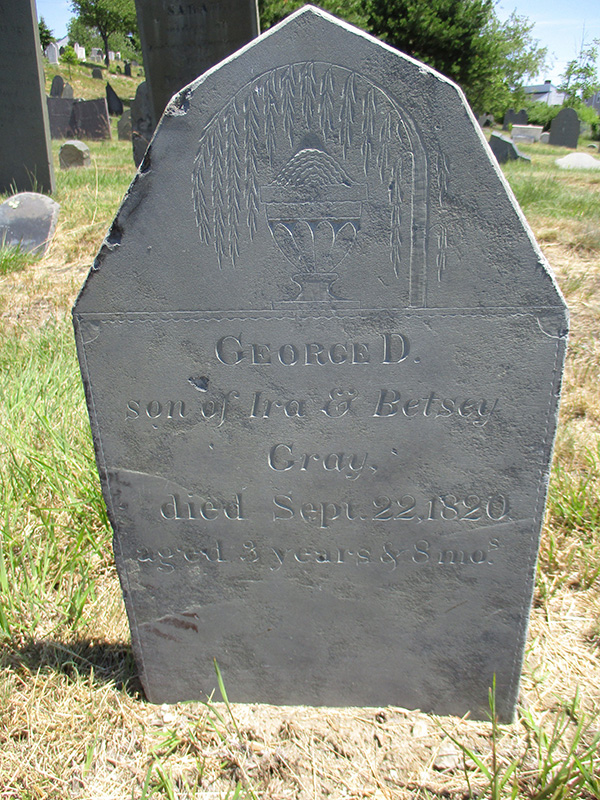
(73,723)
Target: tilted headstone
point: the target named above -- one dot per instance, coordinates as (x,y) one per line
(124,126)
(28,221)
(513,117)
(113,101)
(182,40)
(90,119)
(58,84)
(322,368)
(564,128)
(67,91)
(25,154)
(526,133)
(505,149)
(60,116)
(97,73)
(74,154)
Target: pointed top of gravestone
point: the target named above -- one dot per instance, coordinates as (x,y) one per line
(434,233)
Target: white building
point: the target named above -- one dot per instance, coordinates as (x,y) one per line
(545,93)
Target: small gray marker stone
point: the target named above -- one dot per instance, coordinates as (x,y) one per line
(74,154)
(28,220)
(505,149)
(322,355)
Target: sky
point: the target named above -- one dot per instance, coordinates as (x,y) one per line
(559,25)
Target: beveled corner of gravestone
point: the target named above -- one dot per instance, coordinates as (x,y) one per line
(322,355)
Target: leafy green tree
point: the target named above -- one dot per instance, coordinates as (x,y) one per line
(108,17)
(465,40)
(46,35)
(273,11)
(580,78)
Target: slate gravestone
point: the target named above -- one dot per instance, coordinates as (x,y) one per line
(113,101)
(58,84)
(67,91)
(564,128)
(127,69)
(322,356)
(74,154)
(60,110)
(28,220)
(182,40)
(513,117)
(97,73)
(505,149)
(25,155)
(141,112)
(90,119)
(124,126)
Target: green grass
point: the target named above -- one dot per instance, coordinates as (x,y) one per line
(13,259)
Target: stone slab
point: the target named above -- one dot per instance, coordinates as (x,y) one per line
(74,154)
(526,133)
(60,111)
(564,128)
(124,126)
(26,157)
(322,355)
(505,149)
(28,220)
(180,41)
(90,119)
(113,101)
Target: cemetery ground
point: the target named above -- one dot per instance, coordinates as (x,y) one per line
(73,720)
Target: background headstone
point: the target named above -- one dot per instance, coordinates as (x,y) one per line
(113,101)
(127,69)
(67,91)
(139,145)
(97,73)
(505,149)
(124,126)
(58,84)
(90,119)
(25,154)
(51,53)
(182,40)
(74,154)
(564,128)
(60,115)
(526,133)
(486,120)
(513,117)
(545,137)
(28,220)
(322,368)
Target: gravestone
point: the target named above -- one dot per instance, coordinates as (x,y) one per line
(97,73)
(25,155)
(545,137)
(113,101)
(505,149)
(486,120)
(513,117)
(58,84)
(564,128)
(51,53)
(127,69)
(124,126)
(139,146)
(578,161)
(322,366)
(182,40)
(28,221)
(67,91)
(60,111)
(141,123)
(74,154)
(90,120)
(526,133)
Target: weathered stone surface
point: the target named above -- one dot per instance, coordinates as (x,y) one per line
(505,149)
(25,155)
(60,110)
(182,40)
(124,126)
(141,112)
(28,220)
(564,128)
(90,119)
(139,146)
(545,137)
(74,154)
(513,117)
(58,84)
(322,354)
(113,101)
(67,91)
(97,73)
(526,133)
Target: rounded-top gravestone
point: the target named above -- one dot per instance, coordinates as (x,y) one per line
(28,220)
(97,73)
(57,87)
(74,154)
(564,128)
(322,355)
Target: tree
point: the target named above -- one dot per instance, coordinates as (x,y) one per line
(273,11)
(465,40)
(580,78)
(46,35)
(108,17)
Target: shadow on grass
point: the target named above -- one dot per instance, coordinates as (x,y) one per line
(108,662)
